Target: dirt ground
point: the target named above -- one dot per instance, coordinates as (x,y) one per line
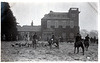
(44,53)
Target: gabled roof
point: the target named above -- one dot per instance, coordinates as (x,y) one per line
(56,15)
(29,28)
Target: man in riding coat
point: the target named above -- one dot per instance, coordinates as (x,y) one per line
(53,36)
(34,40)
(86,42)
(78,37)
(87,38)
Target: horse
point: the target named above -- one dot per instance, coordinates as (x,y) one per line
(55,42)
(77,45)
(86,44)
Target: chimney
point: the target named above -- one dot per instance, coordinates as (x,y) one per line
(51,11)
(32,23)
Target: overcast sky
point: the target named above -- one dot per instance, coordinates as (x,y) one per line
(26,12)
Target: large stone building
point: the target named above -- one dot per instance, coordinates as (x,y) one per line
(27,31)
(62,24)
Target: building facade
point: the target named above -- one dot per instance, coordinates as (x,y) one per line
(62,24)
(26,32)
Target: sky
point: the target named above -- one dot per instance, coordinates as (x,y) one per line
(26,12)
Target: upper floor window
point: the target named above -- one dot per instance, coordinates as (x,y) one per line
(56,24)
(64,24)
(73,15)
(48,23)
(71,24)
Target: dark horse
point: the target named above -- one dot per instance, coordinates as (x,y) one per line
(55,42)
(78,43)
(86,44)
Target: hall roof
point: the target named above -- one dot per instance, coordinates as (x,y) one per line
(29,28)
(56,15)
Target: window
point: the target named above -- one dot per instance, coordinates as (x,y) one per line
(64,35)
(71,24)
(52,26)
(71,35)
(60,26)
(73,15)
(56,24)
(64,24)
(67,24)
(48,23)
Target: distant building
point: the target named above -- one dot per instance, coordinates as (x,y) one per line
(28,31)
(62,24)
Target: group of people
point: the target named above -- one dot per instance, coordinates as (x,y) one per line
(78,41)
(34,39)
(86,39)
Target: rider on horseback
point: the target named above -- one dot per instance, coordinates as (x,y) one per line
(53,41)
(53,36)
(78,43)
(78,37)
(86,42)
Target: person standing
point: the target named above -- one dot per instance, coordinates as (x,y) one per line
(34,40)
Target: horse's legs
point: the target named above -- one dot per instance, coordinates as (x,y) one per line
(85,45)
(35,46)
(57,45)
(82,49)
(50,46)
(77,50)
(86,48)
